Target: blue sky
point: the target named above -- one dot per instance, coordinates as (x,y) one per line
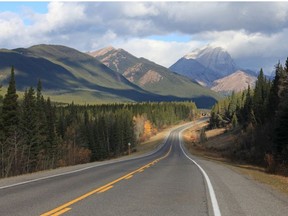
(17,7)
(254,33)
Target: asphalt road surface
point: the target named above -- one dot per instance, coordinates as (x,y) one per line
(166,182)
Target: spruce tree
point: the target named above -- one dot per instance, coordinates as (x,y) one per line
(260,98)
(11,136)
(1,121)
(10,112)
(51,141)
(247,112)
(274,97)
(30,132)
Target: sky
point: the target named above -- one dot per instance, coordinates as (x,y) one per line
(254,33)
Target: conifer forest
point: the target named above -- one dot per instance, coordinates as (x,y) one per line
(37,134)
(262,116)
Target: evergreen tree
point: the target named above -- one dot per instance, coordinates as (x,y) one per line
(30,133)
(10,115)
(260,98)
(248,113)
(51,140)
(281,136)
(274,97)
(10,123)
(1,121)
(281,117)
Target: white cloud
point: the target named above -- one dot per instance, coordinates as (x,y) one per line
(162,52)
(139,9)
(254,33)
(60,17)
(252,50)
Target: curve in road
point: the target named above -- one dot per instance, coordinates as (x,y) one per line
(166,182)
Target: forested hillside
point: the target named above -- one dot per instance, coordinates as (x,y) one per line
(37,134)
(262,115)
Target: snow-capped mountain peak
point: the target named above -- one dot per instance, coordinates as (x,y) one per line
(214,58)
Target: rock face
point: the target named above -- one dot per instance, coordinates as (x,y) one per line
(195,71)
(214,68)
(236,82)
(205,65)
(215,59)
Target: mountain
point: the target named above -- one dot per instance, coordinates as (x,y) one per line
(236,82)
(70,75)
(195,71)
(205,65)
(149,75)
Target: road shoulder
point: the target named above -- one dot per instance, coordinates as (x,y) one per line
(237,192)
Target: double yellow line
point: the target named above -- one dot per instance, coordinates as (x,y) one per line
(67,206)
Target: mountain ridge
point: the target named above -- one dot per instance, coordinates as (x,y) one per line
(148,75)
(69,73)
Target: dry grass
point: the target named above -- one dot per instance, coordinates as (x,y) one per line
(214,147)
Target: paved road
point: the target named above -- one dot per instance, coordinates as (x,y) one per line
(166,182)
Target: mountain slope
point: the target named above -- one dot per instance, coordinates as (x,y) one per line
(195,71)
(236,82)
(205,65)
(66,72)
(150,76)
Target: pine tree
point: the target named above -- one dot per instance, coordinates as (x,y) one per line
(281,117)
(10,110)
(274,97)
(10,123)
(248,113)
(260,98)
(1,121)
(51,141)
(30,132)
(281,136)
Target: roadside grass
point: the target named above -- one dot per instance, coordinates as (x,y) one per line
(219,143)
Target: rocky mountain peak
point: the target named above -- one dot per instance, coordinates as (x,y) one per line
(214,58)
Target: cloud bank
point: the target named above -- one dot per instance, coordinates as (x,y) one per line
(254,33)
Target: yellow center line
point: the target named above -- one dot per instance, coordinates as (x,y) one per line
(128,177)
(61,212)
(65,206)
(106,189)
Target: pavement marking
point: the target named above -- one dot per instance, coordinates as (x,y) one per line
(106,189)
(96,165)
(215,206)
(129,177)
(58,210)
(61,212)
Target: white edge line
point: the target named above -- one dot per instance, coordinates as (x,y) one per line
(215,206)
(93,166)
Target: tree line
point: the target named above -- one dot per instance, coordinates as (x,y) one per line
(37,134)
(262,115)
